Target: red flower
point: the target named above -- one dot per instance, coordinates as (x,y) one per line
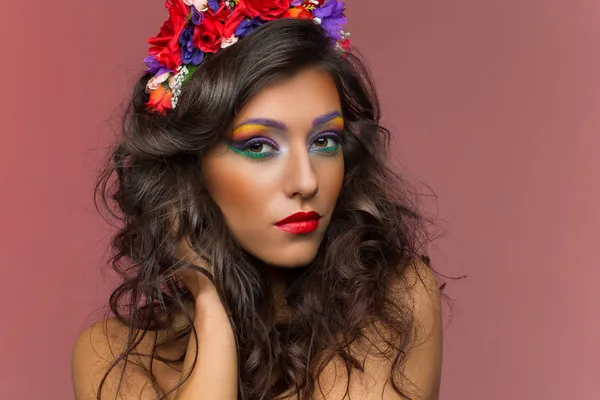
(160,100)
(164,46)
(345,44)
(297,13)
(208,35)
(221,14)
(240,12)
(268,10)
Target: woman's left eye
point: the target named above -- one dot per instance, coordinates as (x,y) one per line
(328,143)
(322,142)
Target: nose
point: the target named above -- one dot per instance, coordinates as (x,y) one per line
(300,179)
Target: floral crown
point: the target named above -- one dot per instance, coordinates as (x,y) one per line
(196,27)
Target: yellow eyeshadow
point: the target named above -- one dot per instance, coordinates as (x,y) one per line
(249,130)
(338,121)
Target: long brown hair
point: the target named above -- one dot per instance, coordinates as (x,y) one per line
(154,176)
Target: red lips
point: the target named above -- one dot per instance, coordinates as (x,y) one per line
(300,223)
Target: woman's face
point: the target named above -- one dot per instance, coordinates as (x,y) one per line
(278,174)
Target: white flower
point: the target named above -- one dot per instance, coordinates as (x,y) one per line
(172,82)
(201,5)
(156,81)
(229,41)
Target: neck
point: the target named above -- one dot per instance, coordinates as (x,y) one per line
(278,279)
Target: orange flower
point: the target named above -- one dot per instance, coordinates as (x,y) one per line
(297,13)
(160,100)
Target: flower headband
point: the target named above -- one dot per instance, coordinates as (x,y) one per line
(196,27)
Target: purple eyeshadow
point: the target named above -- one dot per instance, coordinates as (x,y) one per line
(246,143)
(327,134)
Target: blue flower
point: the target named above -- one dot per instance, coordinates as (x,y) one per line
(214,5)
(332,18)
(189,53)
(247,26)
(197,16)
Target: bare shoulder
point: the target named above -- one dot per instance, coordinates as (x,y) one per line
(418,290)
(421,288)
(423,368)
(98,348)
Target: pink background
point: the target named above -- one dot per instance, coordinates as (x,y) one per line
(492,104)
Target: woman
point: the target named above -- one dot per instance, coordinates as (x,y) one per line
(265,251)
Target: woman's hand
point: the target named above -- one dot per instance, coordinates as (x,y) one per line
(211,358)
(194,279)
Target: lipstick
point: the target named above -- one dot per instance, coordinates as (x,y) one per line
(300,223)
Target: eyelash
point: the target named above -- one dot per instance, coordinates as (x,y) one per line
(244,148)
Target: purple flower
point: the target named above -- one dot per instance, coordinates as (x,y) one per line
(197,16)
(247,26)
(332,18)
(189,53)
(296,3)
(152,65)
(214,5)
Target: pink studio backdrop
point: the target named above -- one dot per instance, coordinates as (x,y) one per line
(492,104)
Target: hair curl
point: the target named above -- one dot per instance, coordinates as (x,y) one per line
(154,178)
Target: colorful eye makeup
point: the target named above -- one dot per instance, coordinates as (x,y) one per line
(334,117)
(326,142)
(256,127)
(248,139)
(335,126)
(256,148)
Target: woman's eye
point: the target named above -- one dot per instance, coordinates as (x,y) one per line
(321,142)
(256,148)
(326,143)
(259,147)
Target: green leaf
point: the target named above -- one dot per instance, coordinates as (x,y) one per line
(191,70)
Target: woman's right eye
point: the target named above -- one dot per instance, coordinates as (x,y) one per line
(256,148)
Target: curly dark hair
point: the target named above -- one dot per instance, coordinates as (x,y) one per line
(154,177)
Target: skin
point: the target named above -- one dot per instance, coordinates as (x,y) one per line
(283,156)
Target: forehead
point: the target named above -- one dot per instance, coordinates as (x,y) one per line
(296,101)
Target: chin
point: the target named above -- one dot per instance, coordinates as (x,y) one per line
(293,256)
(293,262)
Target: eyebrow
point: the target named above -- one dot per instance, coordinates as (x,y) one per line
(271,123)
(326,118)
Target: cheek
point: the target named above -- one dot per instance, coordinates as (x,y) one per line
(331,176)
(229,188)
(237,189)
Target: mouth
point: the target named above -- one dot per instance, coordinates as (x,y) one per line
(300,223)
